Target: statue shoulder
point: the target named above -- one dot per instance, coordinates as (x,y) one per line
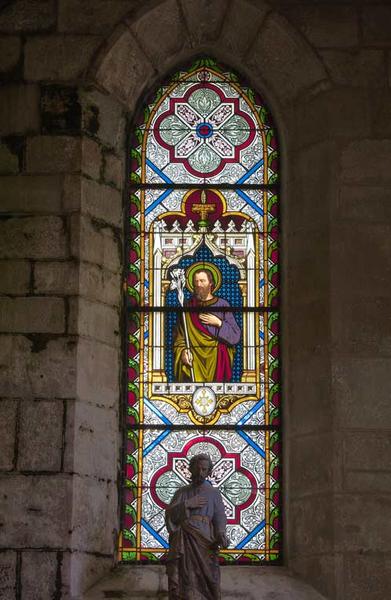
(177,498)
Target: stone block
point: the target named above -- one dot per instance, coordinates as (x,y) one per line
(124,69)
(363,203)
(368,451)
(13,352)
(150,580)
(311,464)
(94,242)
(51,368)
(98,200)
(161,31)
(367,575)
(204,19)
(32,315)
(31,194)
(14,276)
(94,518)
(91,441)
(53,154)
(99,284)
(310,519)
(363,523)
(372,482)
(35,510)
(308,277)
(114,171)
(94,320)
(81,570)
(37,367)
(91,158)
(325,25)
(7,575)
(245,582)
(309,408)
(366,161)
(381,102)
(310,323)
(353,379)
(98,373)
(8,411)
(241,26)
(101,202)
(19,109)
(333,114)
(318,571)
(313,187)
(284,60)
(356,67)
(9,159)
(361,260)
(103,117)
(40,435)
(58,57)
(28,15)
(60,109)
(93,16)
(39,575)
(376,25)
(10,50)
(35,237)
(58,278)
(71,198)
(237,582)
(361,327)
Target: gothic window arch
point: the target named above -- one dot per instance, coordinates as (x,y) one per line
(202,241)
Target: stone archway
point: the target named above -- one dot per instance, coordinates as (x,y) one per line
(265,48)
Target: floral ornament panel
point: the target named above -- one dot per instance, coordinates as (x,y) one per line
(204,130)
(204,127)
(245,470)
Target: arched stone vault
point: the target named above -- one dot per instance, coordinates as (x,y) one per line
(255,39)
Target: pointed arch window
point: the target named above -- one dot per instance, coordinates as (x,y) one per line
(203,240)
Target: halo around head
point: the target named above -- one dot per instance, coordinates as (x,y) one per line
(203,266)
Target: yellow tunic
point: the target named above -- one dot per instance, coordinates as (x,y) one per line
(204,349)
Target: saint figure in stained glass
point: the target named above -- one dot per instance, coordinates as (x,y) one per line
(210,330)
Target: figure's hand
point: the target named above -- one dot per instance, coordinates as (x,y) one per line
(221,540)
(209,319)
(197,501)
(187,357)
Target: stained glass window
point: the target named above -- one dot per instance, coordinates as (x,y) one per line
(202,307)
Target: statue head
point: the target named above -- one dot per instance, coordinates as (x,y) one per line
(200,467)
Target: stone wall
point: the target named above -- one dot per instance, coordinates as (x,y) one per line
(71,74)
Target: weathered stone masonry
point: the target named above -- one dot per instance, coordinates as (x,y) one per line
(71,74)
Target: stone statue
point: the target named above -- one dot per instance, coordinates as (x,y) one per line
(196,523)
